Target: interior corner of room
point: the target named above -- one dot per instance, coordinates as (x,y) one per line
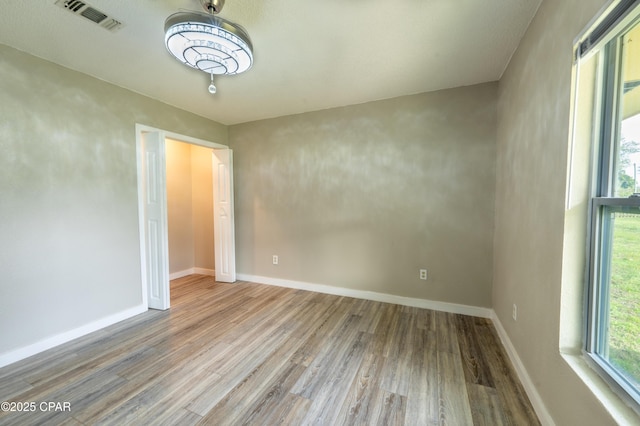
(467,199)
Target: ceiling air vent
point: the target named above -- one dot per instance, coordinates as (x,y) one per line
(89,12)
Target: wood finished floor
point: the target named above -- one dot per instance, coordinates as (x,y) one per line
(243,353)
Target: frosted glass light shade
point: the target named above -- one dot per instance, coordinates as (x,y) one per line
(208,43)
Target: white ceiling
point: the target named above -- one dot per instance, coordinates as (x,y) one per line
(308,55)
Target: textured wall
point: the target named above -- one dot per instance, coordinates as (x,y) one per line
(533,135)
(69,241)
(179,206)
(202,207)
(189,206)
(364,196)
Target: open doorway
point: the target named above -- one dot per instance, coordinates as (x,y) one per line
(153,220)
(189,209)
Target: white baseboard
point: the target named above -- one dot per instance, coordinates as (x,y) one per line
(204,271)
(50,342)
(371,295)
(532,392)
(191,271)
(538,405)
(180,274)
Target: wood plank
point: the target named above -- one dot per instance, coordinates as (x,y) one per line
(390,410)
(172,384)
(180,417)
(323,324)
(474,362)
(13,386)
(381,343)
(423,399)
(371,313)
(359,400)
(513,399)
(265,397)
(335,380)
(289,411)
(37,417)
(397,371)
(246,353)
(257,386)
(426,320)
(235,369)
(454,400)
(331,356)
(446,332)
(190,361)
(486,409)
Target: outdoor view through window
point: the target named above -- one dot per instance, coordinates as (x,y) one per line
(622,346)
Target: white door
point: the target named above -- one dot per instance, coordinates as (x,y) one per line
(223,226)
(155,219)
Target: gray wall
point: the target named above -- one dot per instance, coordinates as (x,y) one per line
(69,249)
(533,248)
(189,206)
(202,207)
(359,197)
(364,196)
(179,206)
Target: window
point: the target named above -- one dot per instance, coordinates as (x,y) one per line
(612,344)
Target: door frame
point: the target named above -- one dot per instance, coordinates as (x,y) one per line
(142,129)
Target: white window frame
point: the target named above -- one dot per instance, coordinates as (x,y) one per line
(605,37)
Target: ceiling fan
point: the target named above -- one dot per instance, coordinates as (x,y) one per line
(206,42)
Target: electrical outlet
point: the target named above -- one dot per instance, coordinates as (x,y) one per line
(514,312)
(275,259)
(423,274)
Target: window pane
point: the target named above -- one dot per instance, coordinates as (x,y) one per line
(628,151)
(619,341)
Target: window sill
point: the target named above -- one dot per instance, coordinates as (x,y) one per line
(620,412)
